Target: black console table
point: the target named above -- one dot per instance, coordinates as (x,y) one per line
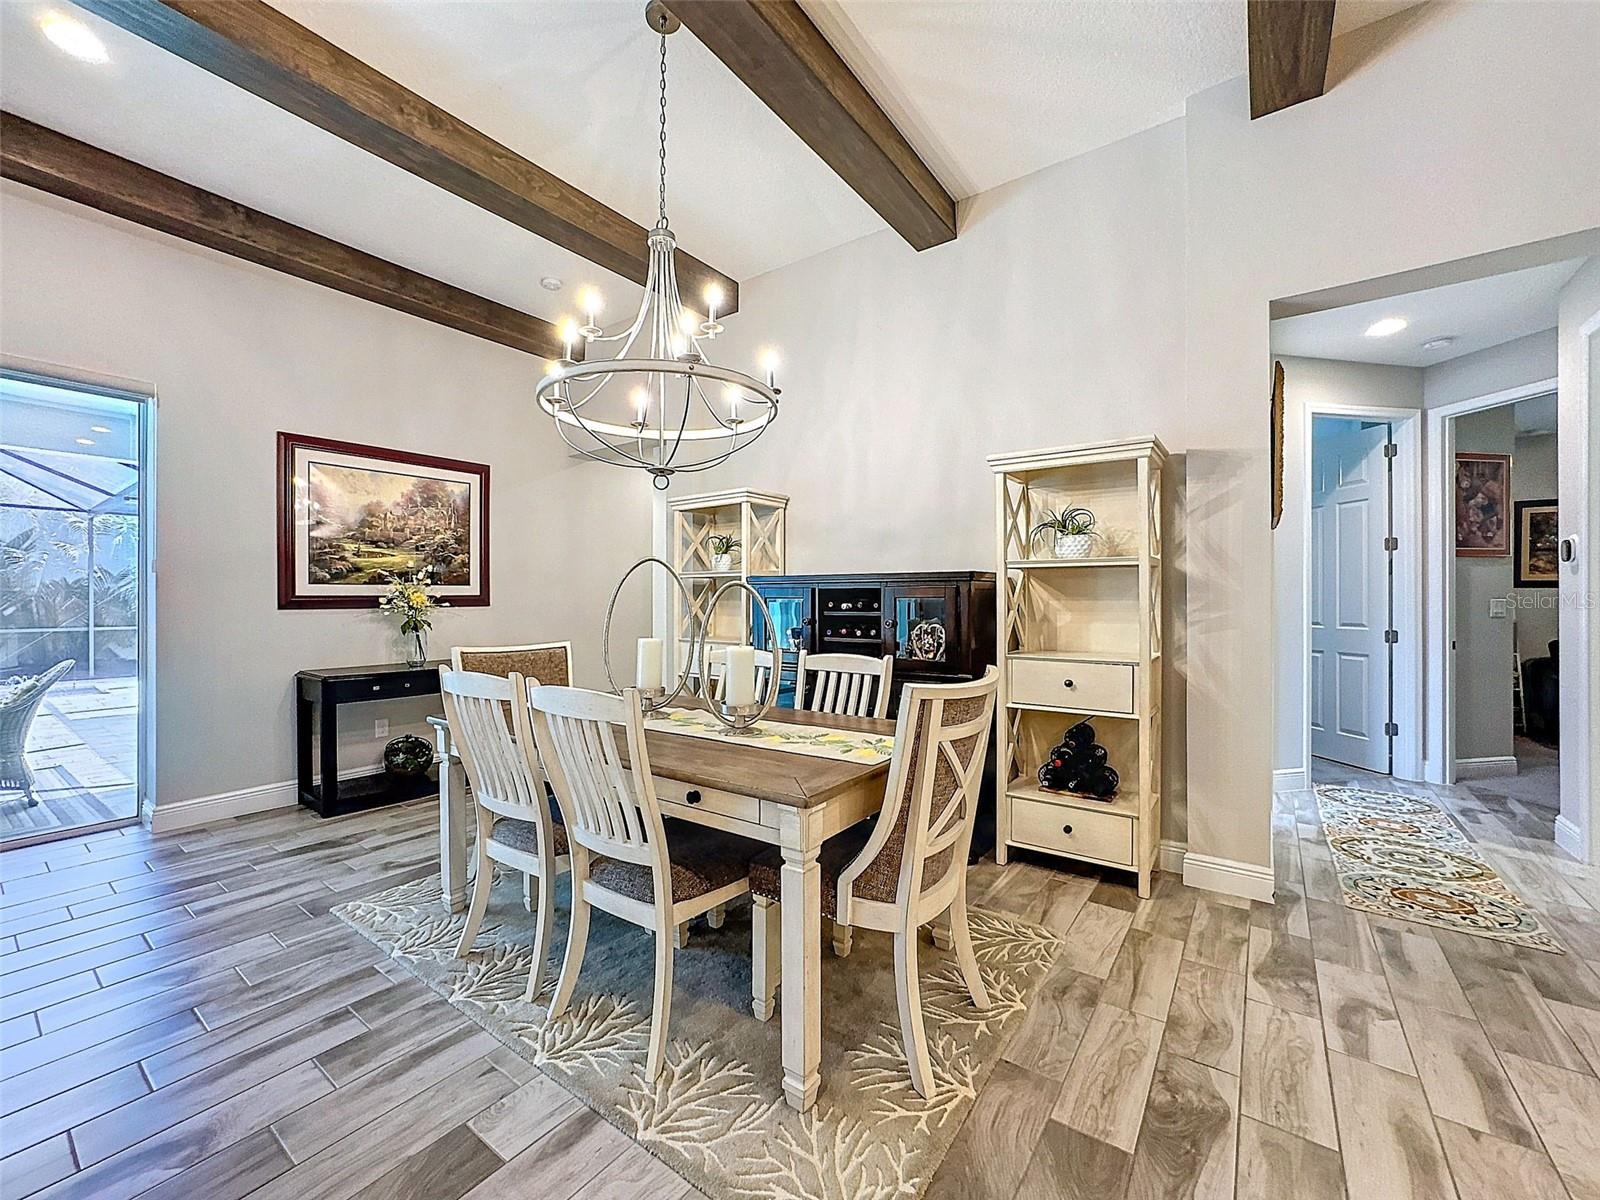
(318,695)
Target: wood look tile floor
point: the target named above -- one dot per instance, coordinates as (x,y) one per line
(181,1017)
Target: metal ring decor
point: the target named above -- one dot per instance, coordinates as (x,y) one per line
(656,698)
(741,718)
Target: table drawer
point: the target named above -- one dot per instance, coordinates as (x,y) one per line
(727,804)
(1068,683)
(384,687)
(1104,836)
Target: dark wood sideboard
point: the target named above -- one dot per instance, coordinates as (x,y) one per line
(318,696)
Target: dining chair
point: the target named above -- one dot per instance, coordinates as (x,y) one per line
(626,860)
(515,825)
(908,869)
(854,685)
(547,662)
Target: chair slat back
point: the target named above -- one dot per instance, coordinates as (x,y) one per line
(716,669)
(609,809)
(504,772)
(853,685)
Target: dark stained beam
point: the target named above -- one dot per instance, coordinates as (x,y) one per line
(1289,42)
(253,45)
(781,56)
(64,166)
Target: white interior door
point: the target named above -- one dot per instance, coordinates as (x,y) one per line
(1350,599)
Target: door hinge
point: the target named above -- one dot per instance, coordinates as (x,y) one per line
(1391,543)
(1390,450)
(1391,637)
(1390,729)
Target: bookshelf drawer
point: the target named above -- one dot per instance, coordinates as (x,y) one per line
(1069,683)
(1104,836)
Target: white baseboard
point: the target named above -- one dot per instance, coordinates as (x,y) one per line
(1485,768)
(1250,880)
(1289,779)
(1170,855)
(204,810)
(1570,838)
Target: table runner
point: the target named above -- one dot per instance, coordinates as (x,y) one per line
(817,742)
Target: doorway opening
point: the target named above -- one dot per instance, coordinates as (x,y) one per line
(76,582)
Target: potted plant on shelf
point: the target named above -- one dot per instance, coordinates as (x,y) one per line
(410,600)
(722,547)
(1071,531)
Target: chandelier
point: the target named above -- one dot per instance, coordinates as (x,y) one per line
(658,404)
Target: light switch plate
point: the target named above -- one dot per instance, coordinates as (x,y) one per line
(380,727)
(1498,607)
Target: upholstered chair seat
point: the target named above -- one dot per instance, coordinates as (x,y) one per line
(524,836)
(702,860)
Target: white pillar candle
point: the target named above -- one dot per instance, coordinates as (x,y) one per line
(739,678)
(650,661)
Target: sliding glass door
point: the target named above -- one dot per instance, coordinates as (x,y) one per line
(74,597)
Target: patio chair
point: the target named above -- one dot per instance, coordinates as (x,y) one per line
(18,704)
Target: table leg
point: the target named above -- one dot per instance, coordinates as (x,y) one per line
(452,824)
(328,722)
(801,988)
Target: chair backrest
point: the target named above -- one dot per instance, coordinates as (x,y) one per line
(16,712)
(610,808)
(716,668)
(548,662)
(500,761)
(925,830)
(854,685)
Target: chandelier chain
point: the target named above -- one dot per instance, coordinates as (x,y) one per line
(663,129)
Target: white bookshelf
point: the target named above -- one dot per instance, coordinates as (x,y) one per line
(1081,638)
(757,519)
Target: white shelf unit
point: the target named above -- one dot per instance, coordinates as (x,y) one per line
(1081,638)
(757,519)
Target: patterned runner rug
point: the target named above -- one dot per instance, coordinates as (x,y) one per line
(1403,856)
(814,740)
(717,1115)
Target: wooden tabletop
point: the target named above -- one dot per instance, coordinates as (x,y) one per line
(797,780)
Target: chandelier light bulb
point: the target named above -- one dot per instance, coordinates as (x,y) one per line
(641,404)
(569,337)
(769,365)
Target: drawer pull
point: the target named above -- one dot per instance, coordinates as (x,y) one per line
(692,796)
(1066,683)
(1066,829)
(377,687)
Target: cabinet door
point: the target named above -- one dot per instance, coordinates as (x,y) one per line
(791,606)
(924,627)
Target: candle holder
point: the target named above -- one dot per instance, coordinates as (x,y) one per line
(741,718)
(653,699)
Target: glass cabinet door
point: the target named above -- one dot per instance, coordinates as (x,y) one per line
(923,624)
(790,606)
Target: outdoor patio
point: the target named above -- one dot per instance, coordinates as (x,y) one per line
(83,748)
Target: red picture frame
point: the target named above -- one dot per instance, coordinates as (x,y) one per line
(303,460)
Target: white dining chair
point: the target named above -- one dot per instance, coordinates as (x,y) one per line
(515,825)
(625,859)
(909,869)
(547,662)
(853,685)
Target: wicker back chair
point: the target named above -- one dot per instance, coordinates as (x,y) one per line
(17,711)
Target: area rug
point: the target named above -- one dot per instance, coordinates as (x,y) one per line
(1403,856)
(717,1115)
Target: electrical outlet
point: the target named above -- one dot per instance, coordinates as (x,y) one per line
(380,727)
(1499,606)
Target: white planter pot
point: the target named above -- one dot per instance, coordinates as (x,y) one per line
(1073,545)
(722,562)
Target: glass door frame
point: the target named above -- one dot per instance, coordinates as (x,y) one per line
(48,375)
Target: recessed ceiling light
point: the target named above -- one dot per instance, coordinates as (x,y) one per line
(1438,343)
(84,441)
(1387,327)
(550,283)
(73,36)
(98,429)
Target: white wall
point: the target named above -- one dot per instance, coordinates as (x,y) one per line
(236,353)
(1483,643)
(1499,368)
(1313,384)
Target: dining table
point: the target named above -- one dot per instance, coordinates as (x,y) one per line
(788,799)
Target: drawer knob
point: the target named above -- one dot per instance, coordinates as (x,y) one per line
(1067,683)
(377,687)
(692,796)
(1066,829)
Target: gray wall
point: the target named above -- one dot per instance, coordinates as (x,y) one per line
(1483,644)
(1533,477)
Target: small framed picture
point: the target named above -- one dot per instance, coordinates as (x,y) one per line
(353,519)
(1483,505)
(1538,544)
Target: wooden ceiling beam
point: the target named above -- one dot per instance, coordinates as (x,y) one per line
(253,45)
(1289,42)
(64,166)
(779,54)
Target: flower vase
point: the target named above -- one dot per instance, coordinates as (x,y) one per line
(416,648)
(1072,545)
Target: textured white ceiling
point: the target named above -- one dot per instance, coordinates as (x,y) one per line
(1478,313)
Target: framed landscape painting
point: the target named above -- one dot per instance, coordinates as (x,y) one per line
(1483,495)
(1538,544)
(352,519)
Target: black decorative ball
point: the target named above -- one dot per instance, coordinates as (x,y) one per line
(407,756)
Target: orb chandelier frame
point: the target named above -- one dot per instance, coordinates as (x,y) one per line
(676,426)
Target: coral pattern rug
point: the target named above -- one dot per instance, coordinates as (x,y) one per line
(717,1114)
(1402,856)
